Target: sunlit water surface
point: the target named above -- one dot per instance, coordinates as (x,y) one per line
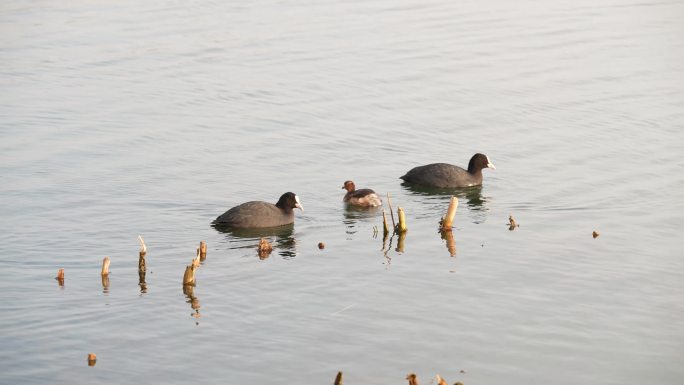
(123,118)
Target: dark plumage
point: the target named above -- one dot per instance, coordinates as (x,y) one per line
(362,197)
(447,175)
(261,214)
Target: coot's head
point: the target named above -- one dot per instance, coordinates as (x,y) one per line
(349,186)
(478,162)
(289,201)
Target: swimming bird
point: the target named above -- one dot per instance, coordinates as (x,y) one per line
(447,175)
(256,214)
(363,197)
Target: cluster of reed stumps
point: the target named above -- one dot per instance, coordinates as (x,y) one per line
(264,248)
(411,377)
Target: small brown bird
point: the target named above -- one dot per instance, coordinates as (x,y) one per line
(362,197)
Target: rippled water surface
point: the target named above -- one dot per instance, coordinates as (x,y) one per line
(125,118)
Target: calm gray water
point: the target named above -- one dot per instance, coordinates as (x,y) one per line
(127,117)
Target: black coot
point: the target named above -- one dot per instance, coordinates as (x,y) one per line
(257,214)
(447,175)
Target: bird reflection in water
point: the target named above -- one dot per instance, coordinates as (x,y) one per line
(471,195)
(354,214)
(281,237)
(189,291)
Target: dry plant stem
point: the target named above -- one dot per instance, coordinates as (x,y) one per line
(451,213)
(142,265)
(203,250)
(143,248)
(189,276)
(389,204)
(440,380)
(412,379)
(196,260)
(105,282)
(143,251)
(402,221)
(338,378)
(385,225)
(105,266)
(60,275)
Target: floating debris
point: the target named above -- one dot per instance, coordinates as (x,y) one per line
(321,245)
(595,234)
(511,223)
(264,248)
(92,359)
(60,277)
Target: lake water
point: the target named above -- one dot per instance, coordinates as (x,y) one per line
(127,117)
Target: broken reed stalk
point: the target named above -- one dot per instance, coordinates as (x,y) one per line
(389,203)
(440,380)
(105,267)
(402,221)
(92,359)
(448,219)
(189,276)
(385,225)
(412,379)
(203,250)
(338,378)
(196,260)
(141,281)
(105,283)
(143,251)
(143,247)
